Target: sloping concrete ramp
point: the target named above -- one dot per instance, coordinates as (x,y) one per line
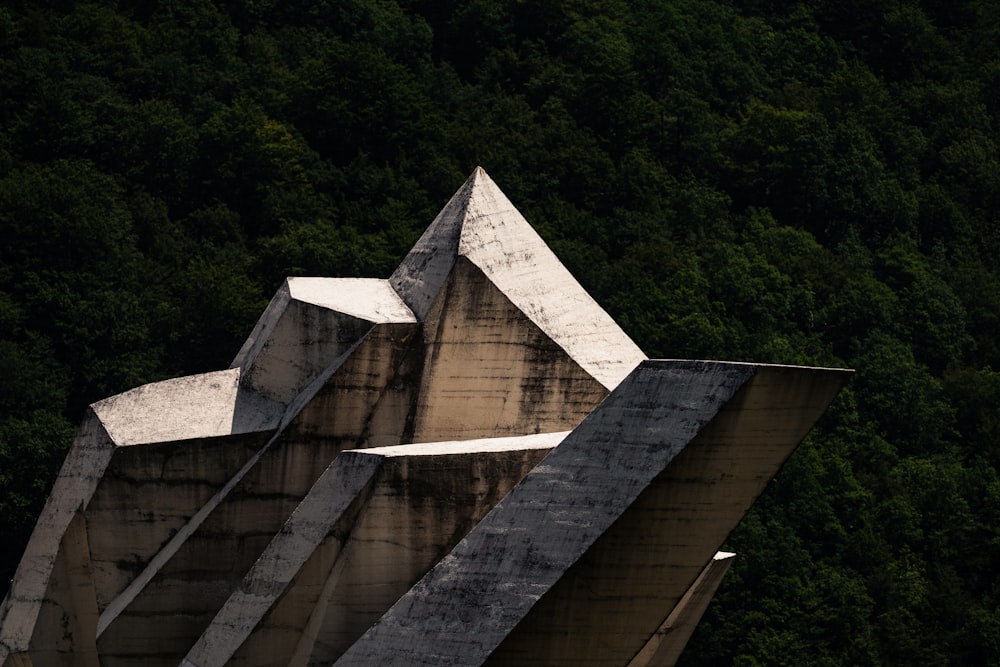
(466,463)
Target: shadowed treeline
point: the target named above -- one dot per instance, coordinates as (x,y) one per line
(807,183)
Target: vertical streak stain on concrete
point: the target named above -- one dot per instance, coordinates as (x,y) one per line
(249,508)
(491,371)
(483,226)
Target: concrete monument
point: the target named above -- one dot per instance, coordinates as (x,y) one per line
(468,463)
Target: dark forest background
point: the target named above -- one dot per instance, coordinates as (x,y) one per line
(811,182)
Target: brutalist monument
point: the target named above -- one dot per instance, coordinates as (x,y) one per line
(468,463)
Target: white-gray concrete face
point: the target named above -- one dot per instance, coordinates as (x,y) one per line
(271,513)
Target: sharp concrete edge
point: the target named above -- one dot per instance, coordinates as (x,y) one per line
(207,405)
(498,240)
(423,271)
(466,605)
(262,329)
(608,604)
(340,487)
(371,299)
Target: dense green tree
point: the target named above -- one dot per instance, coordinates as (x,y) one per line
(810,182)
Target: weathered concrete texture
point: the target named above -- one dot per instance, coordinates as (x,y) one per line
(198,406)
(424,504)
(490,371)
(223,518)
(36,582)
(539,547)
(482,226)
(76,562)
(333,502)
(148,494)
(665,646)
(363,399)
(373,523)
(175,598)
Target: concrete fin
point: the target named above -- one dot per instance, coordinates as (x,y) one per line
(311,629)
(423,271)
(197,406)
(67,622)
(261,331)
(665,646)
(148,494)
(467,604)
(342,487)
(609,602)
(498,240)
(182,588)
(422,504)
(368,299)
(188,519)
(363,398)
(310,323)
(281,607)
(305,341)
(78,479)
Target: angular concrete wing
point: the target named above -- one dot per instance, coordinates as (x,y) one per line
(114,503)
(579,562)
(310,323)
(373,432)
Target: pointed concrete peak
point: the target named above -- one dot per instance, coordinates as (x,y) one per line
(424,270)
(482,225)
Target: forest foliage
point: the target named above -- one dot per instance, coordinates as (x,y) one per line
(811,182)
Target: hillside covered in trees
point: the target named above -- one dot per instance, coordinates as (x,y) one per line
(807,183)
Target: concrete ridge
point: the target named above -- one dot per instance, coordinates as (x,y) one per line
(371,299)
(79,477)
(631,486)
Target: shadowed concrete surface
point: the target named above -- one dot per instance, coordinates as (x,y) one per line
(466,463)
(666,644)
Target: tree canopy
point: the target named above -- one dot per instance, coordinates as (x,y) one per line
(806,183)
